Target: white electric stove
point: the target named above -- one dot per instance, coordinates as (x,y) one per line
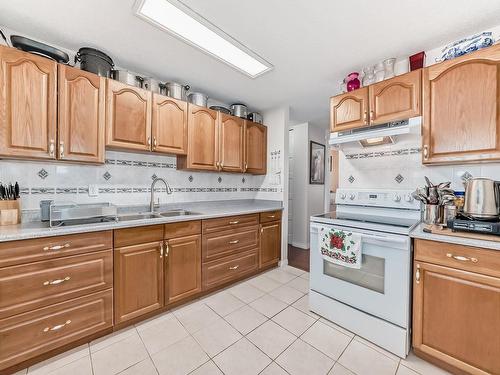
(373,301)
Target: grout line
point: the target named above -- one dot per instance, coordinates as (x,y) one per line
(147,351)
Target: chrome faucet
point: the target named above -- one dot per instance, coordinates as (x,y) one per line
(152,204)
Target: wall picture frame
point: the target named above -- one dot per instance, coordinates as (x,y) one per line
(316,163)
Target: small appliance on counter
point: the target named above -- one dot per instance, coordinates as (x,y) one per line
(69,213)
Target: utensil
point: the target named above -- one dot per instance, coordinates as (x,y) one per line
(176,90)
(482,197)
(433,214)
(4,38)
(198,98)
(151,84)
(428,182)
(256,117)
(95,61)
(38,48)
(239,110)
(127,77)
(221,109)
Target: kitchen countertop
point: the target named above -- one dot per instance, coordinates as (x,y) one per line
(206,210)
(485,244)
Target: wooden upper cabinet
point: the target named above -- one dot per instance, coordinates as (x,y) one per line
(28,105)
(270,243)
(395,99)
(81,115)
(138,280)
(203,139)
(461,109)
(255,148)
(128,117)
(455,313)
(169,125)
(349,110)
(232,143)
(183,273)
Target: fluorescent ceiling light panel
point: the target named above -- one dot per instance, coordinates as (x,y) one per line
(184,23)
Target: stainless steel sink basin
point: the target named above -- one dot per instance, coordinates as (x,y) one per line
(140,216)
(177,213)
(155,215)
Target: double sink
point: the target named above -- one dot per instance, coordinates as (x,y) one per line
(155,215)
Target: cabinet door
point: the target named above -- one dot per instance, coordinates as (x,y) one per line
(395,99)
(255,148)
(349,110)
(81,115)
(169,125)
(232,143)
(454,314)
(203,138)
(138,280)
(28,105)
(270,244)
(128,117)
(461,109)
(184,267)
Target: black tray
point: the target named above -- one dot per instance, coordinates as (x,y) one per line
(32,46)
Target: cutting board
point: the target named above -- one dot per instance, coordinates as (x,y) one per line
(435,229)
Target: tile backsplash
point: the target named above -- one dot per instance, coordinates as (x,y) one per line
(399,166)
(125,179)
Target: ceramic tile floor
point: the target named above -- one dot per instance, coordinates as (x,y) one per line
(260,326)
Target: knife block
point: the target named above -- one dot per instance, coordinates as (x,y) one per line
(10,212)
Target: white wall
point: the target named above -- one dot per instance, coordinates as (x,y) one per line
(274,185)
(306,199)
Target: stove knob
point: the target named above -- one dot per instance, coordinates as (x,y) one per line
(397,198)
(352,196)
(408,198)
(342,196)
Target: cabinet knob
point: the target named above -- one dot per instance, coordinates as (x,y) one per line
(462,258)
(426,152)
(61,150)
(52,147)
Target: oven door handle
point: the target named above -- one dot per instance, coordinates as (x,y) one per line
(373,237)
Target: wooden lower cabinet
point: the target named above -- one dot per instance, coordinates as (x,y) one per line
(27,335)
(222,271)
(138,280)
(270,243)
(183,271)
(456,317)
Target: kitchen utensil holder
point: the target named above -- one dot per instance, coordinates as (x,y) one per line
(10,212)
(432,214)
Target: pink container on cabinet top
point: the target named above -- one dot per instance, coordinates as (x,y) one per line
(353,82)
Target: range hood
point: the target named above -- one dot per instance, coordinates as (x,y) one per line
(377,134)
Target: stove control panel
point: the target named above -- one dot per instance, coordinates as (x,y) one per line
(377,198)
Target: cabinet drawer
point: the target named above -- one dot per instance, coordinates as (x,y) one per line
(266,217)
(230,268)
(220,244)
(138,235)
(27,251)
(182,229)
(27,335)
(462,257)
(224,223)
(29,286)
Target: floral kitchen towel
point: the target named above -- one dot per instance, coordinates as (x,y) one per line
(340,247)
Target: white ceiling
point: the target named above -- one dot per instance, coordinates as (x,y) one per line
(312,44)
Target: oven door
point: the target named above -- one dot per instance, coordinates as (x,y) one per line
(381,287)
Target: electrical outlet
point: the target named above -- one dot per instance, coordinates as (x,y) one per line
(93,191)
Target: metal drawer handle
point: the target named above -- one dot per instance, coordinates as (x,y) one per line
(57,281)
(57,327)
(271,216)
(56,247)
(417,274)
(462,258)
(234,267)
(426,152)
(234,242)
(234,222)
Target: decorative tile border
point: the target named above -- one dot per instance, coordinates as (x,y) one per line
(132,190)
(140,163)
(378,154)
